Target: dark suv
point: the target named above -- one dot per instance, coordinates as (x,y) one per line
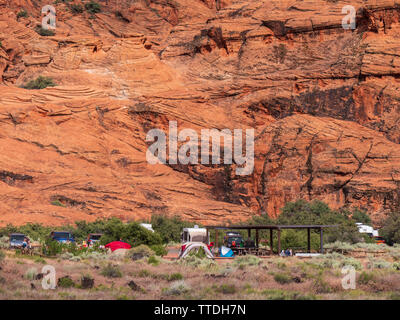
(62,236)
(233,239)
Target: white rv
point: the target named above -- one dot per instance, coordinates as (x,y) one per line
(194,234)
(363,228)
(147,226)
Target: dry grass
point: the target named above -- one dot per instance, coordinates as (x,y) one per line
(272,278)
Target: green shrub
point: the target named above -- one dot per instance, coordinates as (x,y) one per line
(320,285)
(159,250)
(52,247)
(196,262)
(87,281)
(141,251)
(2,256)
(282,278)
(31,274)
(65,282)
(93,7)
(396,265)
(277,294)
(169,228)
(153,261)
(76,8)
(22,14)
(4,242)
(227,289)
(40,260)
(365,278)
(44,32)
(247,260)
(175,277)
(391,228)
(111,271)
(41,83)
(381,264)
(176,288)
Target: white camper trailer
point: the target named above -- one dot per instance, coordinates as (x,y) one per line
(194,234)
(363,228)
(147,226)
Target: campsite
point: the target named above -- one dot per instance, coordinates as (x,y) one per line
(168,258)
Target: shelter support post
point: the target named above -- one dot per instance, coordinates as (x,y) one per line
(216,239)
(308,240)
(321,235)
(249,232)
(279,241)
(257,238)
(271,240)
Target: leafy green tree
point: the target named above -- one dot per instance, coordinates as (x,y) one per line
(391,228)
(170,229)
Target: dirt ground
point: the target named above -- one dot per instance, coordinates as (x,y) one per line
(194,278)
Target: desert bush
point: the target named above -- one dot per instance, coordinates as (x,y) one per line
(396,265)
(247,260)
(365,277)
(31,274)
(4,242)
(176,288)
(381,264)
(87,281)
(111,271)
(2,256)
(351,262)
(76,8)
(371,247)
(65,282)
(39,83)
(169,228)
(153,261)
(159,250)
(226,289)
(277,294)
(175,276)
(283,278)
(93,7)
(51,247)
(141,251)
(194,261)
(44,32)
(22,14)
(391,228)
(320,285)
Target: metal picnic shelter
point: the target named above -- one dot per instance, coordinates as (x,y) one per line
(271,229)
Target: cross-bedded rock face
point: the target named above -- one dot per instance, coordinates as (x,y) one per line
(324,103)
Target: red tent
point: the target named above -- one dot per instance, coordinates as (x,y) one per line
(118,245)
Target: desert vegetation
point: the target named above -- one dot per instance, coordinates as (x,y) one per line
(113,276)
(149,271)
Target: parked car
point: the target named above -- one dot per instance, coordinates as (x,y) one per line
(16,240)
(379,240)
(62,236)
(92,238)
(233,239)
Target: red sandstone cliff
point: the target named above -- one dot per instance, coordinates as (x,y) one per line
(324,103)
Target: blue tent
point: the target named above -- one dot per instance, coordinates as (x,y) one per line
(225,252)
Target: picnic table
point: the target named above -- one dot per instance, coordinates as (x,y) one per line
(240,251)
(34,248)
